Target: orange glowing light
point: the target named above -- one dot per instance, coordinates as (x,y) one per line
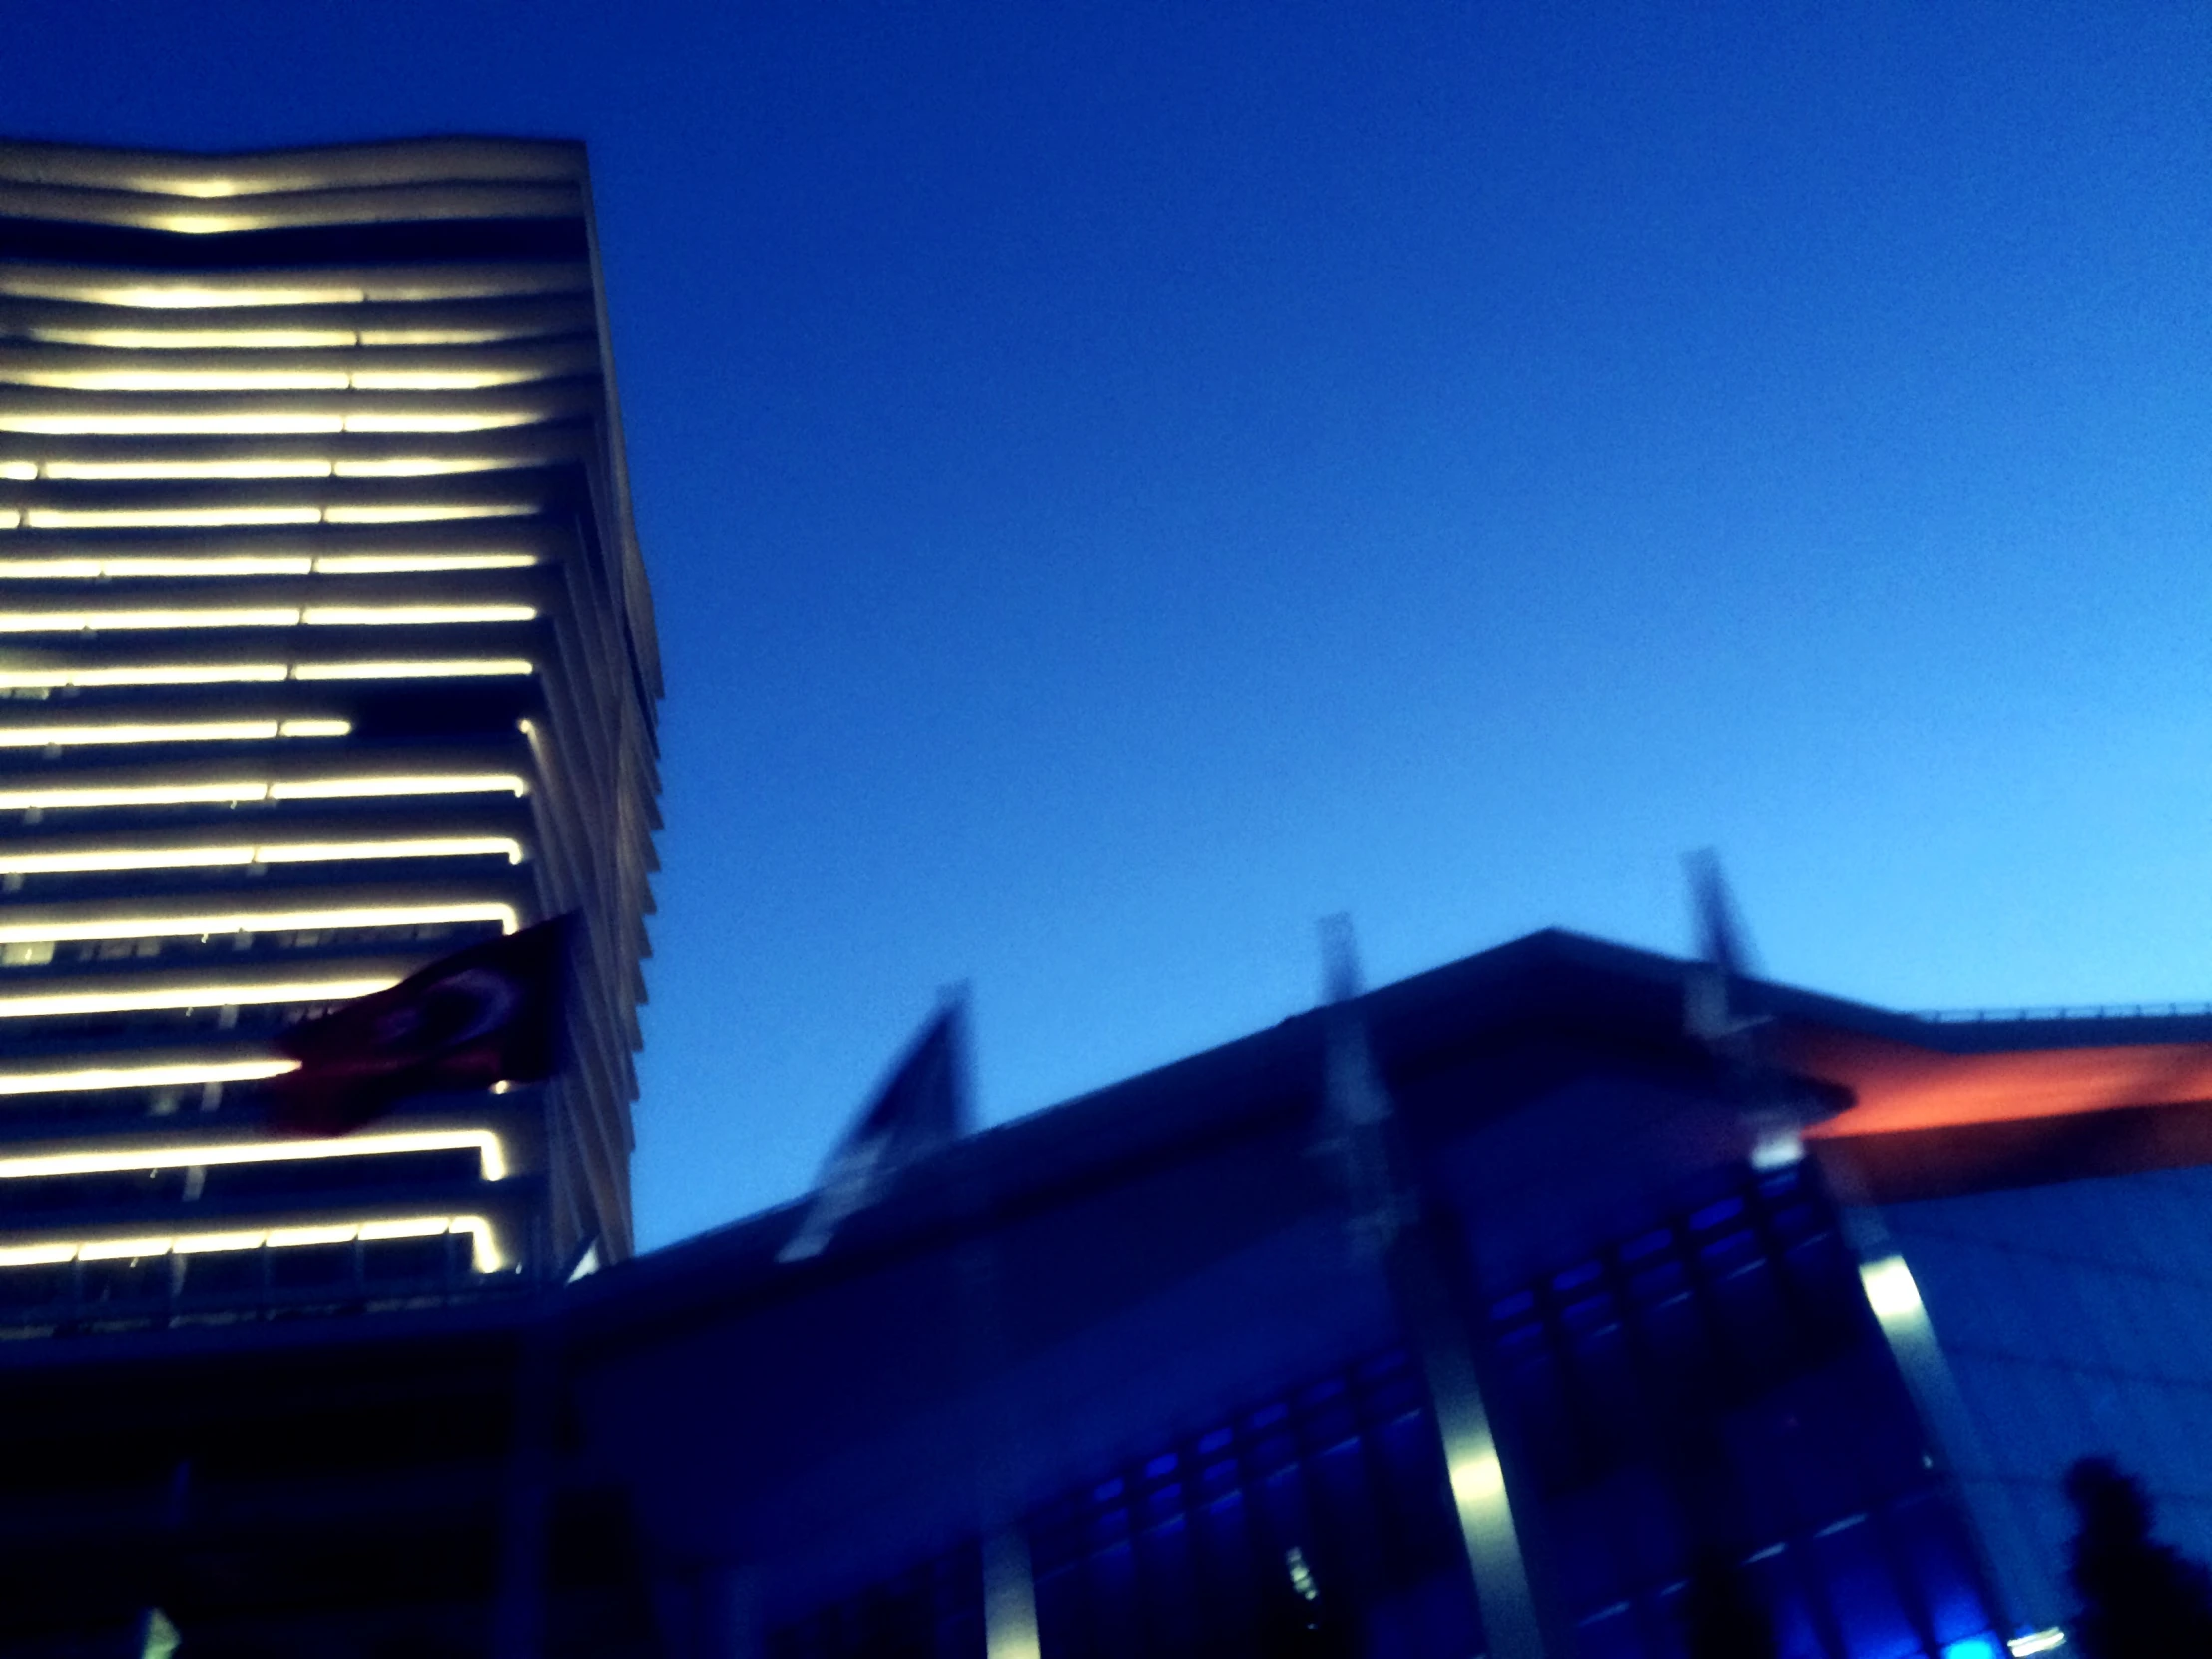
(1928,1124)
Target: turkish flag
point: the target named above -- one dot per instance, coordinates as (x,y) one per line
(488,1014)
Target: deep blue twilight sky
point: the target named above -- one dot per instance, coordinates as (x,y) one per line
(1121,481)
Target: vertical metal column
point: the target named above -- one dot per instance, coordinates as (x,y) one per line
(1384,1220)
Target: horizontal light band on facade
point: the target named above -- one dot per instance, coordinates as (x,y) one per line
(76,622)
(171,1074)
(485,1143)
(262,466)
(212,674)
(484,1248)
(220,518)
(212,994)
(247,379)
(251,921)
(257,564)
(458,783)
(182,297)
(417,668)
(262,424)
(196,340)
(229,789)
(202,731)
(273,339)
(400,616)
(146,674)
(267,467)
(385,564)
(96,860)
(261,615)
(67,569)
(445,846)
(73,569)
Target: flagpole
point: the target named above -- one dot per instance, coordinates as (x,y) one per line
(922,1107)
(1010,1588)
(1386,1221)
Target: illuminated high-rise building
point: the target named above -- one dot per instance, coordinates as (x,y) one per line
(325,650)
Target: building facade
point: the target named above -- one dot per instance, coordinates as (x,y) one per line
(1656,1326)
(325,650)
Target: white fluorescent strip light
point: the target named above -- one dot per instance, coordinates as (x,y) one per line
(168,518)
(386,564)
(247,377)
(487,422)
(212,994)
(273,423)
(198,339)
(254,788)
(92,423)
(427,466)
(71,622)
(99,862)
(260,615)
(461,783)
(252,921)
(420,668)
(259,564)
(83,1078)
(395,616)
(423,513)
(262,466)
(265,468)
(150,674)
(91,570)
(182,379)
(484,1241)
(182,298)
(38,737)
(446,846)
(485,1143)
(217,518)
(209,674)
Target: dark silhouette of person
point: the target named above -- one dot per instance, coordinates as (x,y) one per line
(2141,1599)
(1723,1614)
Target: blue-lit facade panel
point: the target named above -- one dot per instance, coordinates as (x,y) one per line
(2076,1321)
(1715,1384)
(1318,1514)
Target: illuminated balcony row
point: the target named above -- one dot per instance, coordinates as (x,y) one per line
(48,678)
(111,860)
(62,568)
(73,620)
(240,516)
(287,172)
(485,1248)
(51,928)
(73,369)
(226,791)
(221,291)
(199,731)
(61,414)
(299,328)
(290,210)
(148,994)
(263,466)
(185,1153)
